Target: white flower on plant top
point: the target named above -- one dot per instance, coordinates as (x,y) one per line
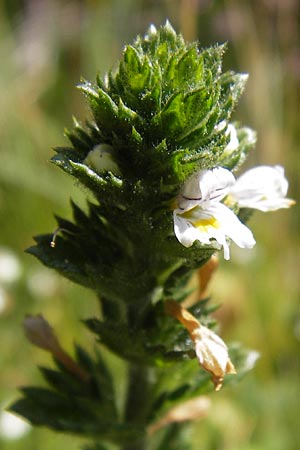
(263,188)
(201,216)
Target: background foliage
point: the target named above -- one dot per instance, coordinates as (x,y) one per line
(45,47)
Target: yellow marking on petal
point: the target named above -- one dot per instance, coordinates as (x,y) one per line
(204,224)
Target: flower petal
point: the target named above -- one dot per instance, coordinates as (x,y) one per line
(233,143)
(215,222)
(233,227)
(206,185)
(263,188)
(211,350)
(215,184)
(186,232)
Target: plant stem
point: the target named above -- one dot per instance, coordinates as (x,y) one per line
(136,403)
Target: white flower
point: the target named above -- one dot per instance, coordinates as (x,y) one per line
(12,427)
(101,158)
(10,267)
(263,188)
(201,215)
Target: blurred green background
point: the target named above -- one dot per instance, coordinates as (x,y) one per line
(45,47)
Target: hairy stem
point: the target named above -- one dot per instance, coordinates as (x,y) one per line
(136,403)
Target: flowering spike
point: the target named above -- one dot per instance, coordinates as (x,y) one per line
(156,157)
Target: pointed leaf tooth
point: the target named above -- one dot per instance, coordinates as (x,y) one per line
(189,67)
(114,86)
(105,110)
(131,62)
(95,133)
(102,81)
(232,87)
(172,115)
(89,178)
(88,89)
(127,114)
(82,146)
(79,216)
(136,136)
(212,59)
(64,382)
(168,34)
(82,134)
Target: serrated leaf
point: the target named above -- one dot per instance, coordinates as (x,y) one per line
(65,382)
(87,176)
(44,407)
(189,69)
(63,258)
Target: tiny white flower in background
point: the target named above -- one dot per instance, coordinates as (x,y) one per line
(251,135)
(263,188)
(10,267)
(42,283)
(201,215)
(101,158)
(251,360)
(12,427)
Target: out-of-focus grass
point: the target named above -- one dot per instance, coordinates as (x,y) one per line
(44,48)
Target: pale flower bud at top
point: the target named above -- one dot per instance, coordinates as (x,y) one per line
(101,159)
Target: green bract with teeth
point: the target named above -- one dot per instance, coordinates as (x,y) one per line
(160,110)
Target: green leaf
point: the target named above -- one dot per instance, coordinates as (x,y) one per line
(44,407)
(64,258)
